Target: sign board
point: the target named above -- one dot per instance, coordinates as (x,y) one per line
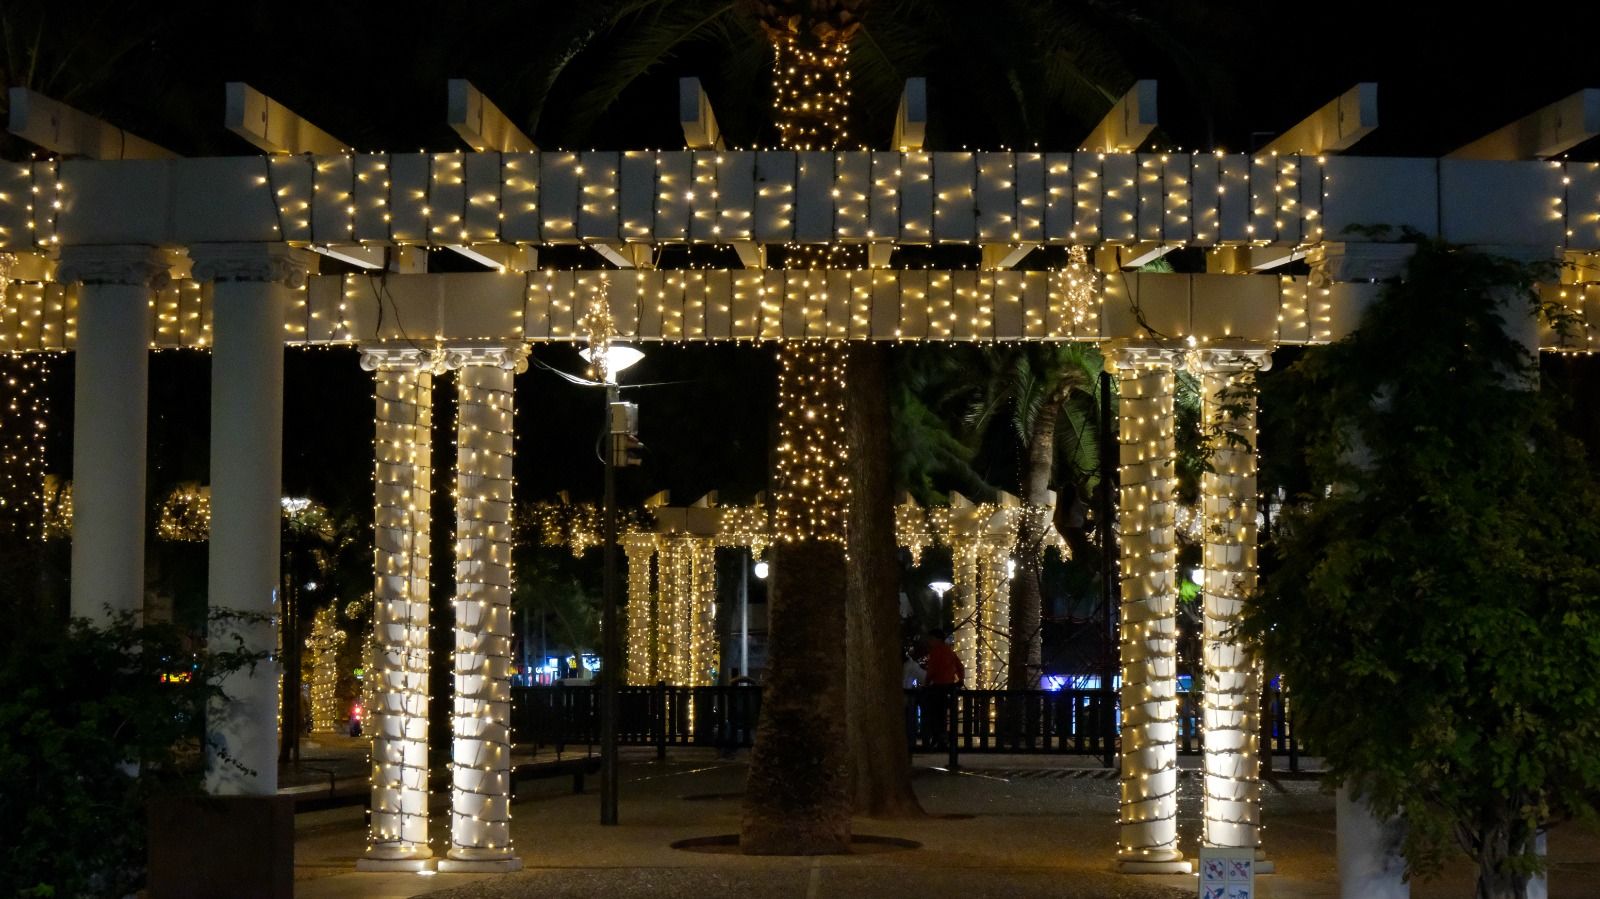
(1227,873)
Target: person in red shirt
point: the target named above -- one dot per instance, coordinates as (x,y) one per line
(944,677)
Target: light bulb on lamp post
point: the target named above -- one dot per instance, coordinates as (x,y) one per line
(615,358)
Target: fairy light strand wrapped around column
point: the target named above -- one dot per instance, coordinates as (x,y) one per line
(1231,705)
(1148,832)
(402,493)
(480,795)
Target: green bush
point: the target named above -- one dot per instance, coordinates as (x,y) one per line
(93,722)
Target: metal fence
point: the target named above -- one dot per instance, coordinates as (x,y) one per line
(1063,722)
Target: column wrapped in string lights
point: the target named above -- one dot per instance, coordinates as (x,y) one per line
(672,633)
(1148,832)
(324,643)
(964,601)
(994,590)
(702,625)
(640,547)
(1231,709)
(480,778)
(398,834)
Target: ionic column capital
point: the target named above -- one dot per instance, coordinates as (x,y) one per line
(259,262)
(509,356)
(130,265)
(1227,359)
(1143,354)
(401,357)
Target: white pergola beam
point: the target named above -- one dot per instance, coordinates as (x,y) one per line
(626,255)
(481,123)
(999,256)
(499,256)
(751,254)
(367,257)
(273,127)
(700,131)
(911,120)
(59,128)
(1335,127)
(1143,254)
(1544,133)
(1129,122)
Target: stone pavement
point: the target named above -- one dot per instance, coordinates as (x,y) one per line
(1014,827)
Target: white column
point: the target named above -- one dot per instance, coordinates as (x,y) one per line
(398,836)
(966,605)
(112,374)
(642,642)
(1231,705)
(253,285)
(1146,528)
(480,778)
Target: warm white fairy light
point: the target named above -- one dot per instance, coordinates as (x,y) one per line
(480,795)
(1231,708)
(399,718)
(1148,832)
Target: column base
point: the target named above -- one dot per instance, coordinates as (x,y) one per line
(479,865)
(408,865)
(1176,865)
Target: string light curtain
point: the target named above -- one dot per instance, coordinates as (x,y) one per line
(994,627)
(702,625)
(1231,708)
(402,491)
(1148,832)
(24,428)
(810,488)
(480,793)
(672,639)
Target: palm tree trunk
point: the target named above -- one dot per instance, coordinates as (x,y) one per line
(880,782)
(797,796)
(1023,660)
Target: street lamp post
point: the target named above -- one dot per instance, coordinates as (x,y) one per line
(621,425)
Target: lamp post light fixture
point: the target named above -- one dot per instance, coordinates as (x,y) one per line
(761,569)
(940,588)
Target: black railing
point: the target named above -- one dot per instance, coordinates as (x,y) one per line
(1063,722)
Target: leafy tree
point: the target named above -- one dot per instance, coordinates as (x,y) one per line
(98,720)
(1436,611)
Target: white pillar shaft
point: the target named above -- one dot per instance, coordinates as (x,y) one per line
(112,381)
(246,510)
(965,602)
(480,794)
(641,624)
(707,648)
(1370,863)
(399,830)
(1232,694)
(1148,839)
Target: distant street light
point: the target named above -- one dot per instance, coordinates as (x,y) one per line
(761,570)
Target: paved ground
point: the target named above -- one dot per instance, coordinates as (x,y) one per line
(1015,827)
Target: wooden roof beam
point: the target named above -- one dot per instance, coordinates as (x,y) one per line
(480,123)
(1335,127)
(911,121)
(59,128)
(273,127)
(1544,133)
(1129,122)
